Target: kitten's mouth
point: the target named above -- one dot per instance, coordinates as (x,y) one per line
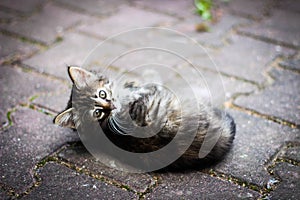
(109,108)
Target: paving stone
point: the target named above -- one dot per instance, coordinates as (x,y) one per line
(255,9)
(143,57)
(217,30)
(28,8)
(32,137)
(275,28)
(3,195)
(75,49)
(159,45)
(127,18)
(47,25)
(95,7)
(182,34)
(59,182)
(291,153)
(17,86)
(291,64)
(3,119)
(256,57)
(209,87)
(196,185)
(79,156)
(289,186)
(55,99)
(289,5)
(172,7)
(12,48)
(281,99)
(256,141)
(6,17)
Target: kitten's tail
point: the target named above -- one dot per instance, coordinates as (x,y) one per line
(227,132)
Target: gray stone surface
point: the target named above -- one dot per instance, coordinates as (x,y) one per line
(47,25)
(3,195)
(209,87)
(289,186)
(291,153)
(27,8)
(255,142)
(289,5)
(25,85)
(216,33)
(54,100)
(94,7)
(74,50)
(160,45)
(279,99)
(197,185)
(291,64)
(245,50)
(255,9)
(126,19)
(14,49)
(58,183)
(175,7)
(275,28)
(30,139)
(79,156)
(3,119)
(5,17)
(243,57)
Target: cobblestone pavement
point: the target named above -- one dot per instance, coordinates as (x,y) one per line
(255,45)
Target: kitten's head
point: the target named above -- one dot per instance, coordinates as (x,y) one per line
(91,99)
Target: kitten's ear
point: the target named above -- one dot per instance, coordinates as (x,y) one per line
(65,119)
(80,77)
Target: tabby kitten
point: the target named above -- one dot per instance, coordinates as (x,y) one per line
(153,110)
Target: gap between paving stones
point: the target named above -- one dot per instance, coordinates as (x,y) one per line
(143,7)
(20,13)
(42,45)
(150,188)
(278,158)
(22,38)
(32,69)
(270,80)
(82,11)
(273,162)
(270,166)
(297,71)
(267,40)
(9,119)
(56,159)
(231,104)
(29,102)
(105,179)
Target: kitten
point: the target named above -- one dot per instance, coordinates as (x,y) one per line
(155,111)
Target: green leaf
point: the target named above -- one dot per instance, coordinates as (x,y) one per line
(203,8)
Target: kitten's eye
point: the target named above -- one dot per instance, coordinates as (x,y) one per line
(102,94)
(98,113)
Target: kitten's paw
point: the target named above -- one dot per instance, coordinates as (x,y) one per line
(138,112)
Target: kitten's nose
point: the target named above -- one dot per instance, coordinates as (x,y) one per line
(112,106)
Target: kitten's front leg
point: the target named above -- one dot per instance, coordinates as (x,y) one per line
(138,112)
(148,111)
